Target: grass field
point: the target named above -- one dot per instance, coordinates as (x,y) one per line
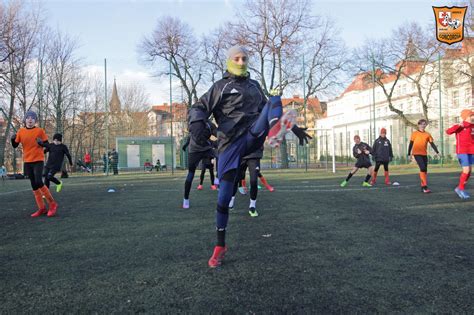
(315,248)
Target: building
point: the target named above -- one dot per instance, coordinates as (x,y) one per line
(355,112)
(160,116)
(95,127)
(306,117)
(133,152)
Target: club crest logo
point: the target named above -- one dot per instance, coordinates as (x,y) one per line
(449,24)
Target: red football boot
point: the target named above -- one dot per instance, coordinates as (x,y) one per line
(213,187)
(53,207)
(217,256)
(38,213)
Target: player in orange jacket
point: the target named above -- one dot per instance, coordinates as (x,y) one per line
(33,159)
(418,150)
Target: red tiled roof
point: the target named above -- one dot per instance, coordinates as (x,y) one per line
(180,110)
(363,81)
(311,102)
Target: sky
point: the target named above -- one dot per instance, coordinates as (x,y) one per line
(112,29)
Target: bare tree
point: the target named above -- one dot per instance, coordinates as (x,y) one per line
(407,55)
(215,45)
(274,31)
(133,118)
(173,41)
(63,69)
(19,29)
(327,60)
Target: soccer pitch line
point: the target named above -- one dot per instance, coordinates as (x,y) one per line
(332,188)
(342,189)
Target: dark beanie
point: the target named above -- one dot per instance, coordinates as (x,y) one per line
(58,136)
(31,114)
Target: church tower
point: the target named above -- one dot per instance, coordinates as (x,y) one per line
(114,105)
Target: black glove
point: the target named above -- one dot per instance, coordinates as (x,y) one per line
(200,132)
(14,143)
(39,141)
(301,134)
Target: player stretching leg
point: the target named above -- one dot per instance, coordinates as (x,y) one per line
(418,150)
(33,159)
(361,152)
(244,118)
(464,149)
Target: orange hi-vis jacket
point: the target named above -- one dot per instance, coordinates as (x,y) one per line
(32,151)
(420,142)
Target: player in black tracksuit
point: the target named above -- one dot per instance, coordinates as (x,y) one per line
(361,152)
(252,162)
(382,154)
(244,117)
(198,148)
(207,164)
(57,150)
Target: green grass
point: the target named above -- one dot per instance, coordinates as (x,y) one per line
(315,248)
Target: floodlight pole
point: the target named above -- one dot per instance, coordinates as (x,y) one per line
(171,114)
(106,121)
(441,123)
(305,121)
(373,98)
(333,150)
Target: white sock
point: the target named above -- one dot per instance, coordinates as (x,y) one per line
(231,203)
(253,203)
(185,202)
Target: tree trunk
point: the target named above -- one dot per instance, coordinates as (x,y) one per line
(283,147)
(3,144)
(284,154)
(8,127)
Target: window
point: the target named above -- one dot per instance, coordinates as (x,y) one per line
(366,135)
(455,99)
(467,97)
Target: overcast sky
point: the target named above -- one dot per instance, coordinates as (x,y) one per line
(112,28)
